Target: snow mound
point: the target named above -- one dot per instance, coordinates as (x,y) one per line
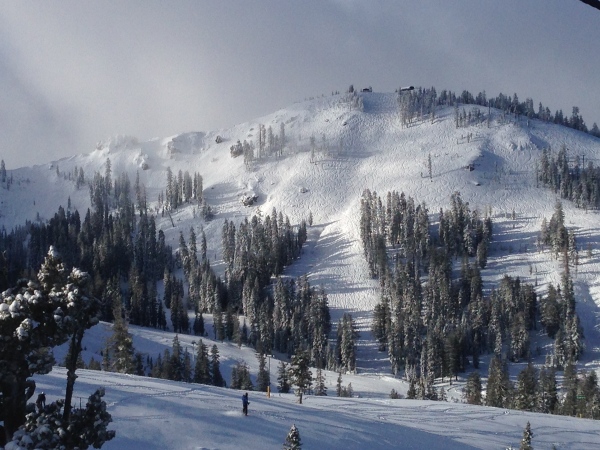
(117,143)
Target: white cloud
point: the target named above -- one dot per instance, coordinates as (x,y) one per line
(73,73)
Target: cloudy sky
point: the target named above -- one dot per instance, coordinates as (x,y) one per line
(73,73)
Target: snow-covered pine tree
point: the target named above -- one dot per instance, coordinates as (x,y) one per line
(292,440)
(50,430)
(34,317)
(283,378)
(547,391)
(527,437)
(338,385)
(121,342)
(320,386)
(527,380)
(499,388)
(300,372)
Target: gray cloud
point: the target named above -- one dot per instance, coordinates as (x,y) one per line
(73,73)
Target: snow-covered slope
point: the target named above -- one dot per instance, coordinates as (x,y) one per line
(158,414)
(355,150)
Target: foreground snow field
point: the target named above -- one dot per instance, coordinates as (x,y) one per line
(157,414)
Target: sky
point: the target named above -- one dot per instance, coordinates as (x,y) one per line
(75,73)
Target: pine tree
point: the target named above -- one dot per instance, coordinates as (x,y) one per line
(59,308)
(338,385)
(300,373)
(499,388)
(85,427)
(320,387)
(411,394)
(292,441)
(525,392)
(240,377)
(215,369)
(283,378)
(94,365)
(176,365)
(472,392)
(547,393)
(263,380)
(527,437)
(202,368)
(570,384)
(121,342)
(3,171)
(198,326)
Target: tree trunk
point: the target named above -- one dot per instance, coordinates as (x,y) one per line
(71,365)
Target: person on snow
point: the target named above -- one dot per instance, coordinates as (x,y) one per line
(41,402)
(245,404)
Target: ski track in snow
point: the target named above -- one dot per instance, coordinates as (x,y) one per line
(153,414)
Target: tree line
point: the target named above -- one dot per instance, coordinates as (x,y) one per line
(570,177)
(422,102)
(435,323)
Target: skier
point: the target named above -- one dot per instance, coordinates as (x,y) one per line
(245,404)
(41,402)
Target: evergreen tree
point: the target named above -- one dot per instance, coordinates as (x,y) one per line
(263,380)
(411,394)
(94,365)
(472,392)
(240,377)
(202,372)
(60,308)
(176,366)
(85,427)
(215,369)
(547,393)
(570,385)
(338,385)
(121,344)
(499,389)
(346,343)
(292,440)
(283,378)
(527,437)
(187,366)
(199,325)
(320,387)
(3,171)
(300,372)
(526,388)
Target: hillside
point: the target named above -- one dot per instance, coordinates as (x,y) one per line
(355,150)
(158,414)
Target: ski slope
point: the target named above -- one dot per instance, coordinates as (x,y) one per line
(356,150)
(158,414)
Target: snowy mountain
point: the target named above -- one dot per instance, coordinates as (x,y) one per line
(333,151)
